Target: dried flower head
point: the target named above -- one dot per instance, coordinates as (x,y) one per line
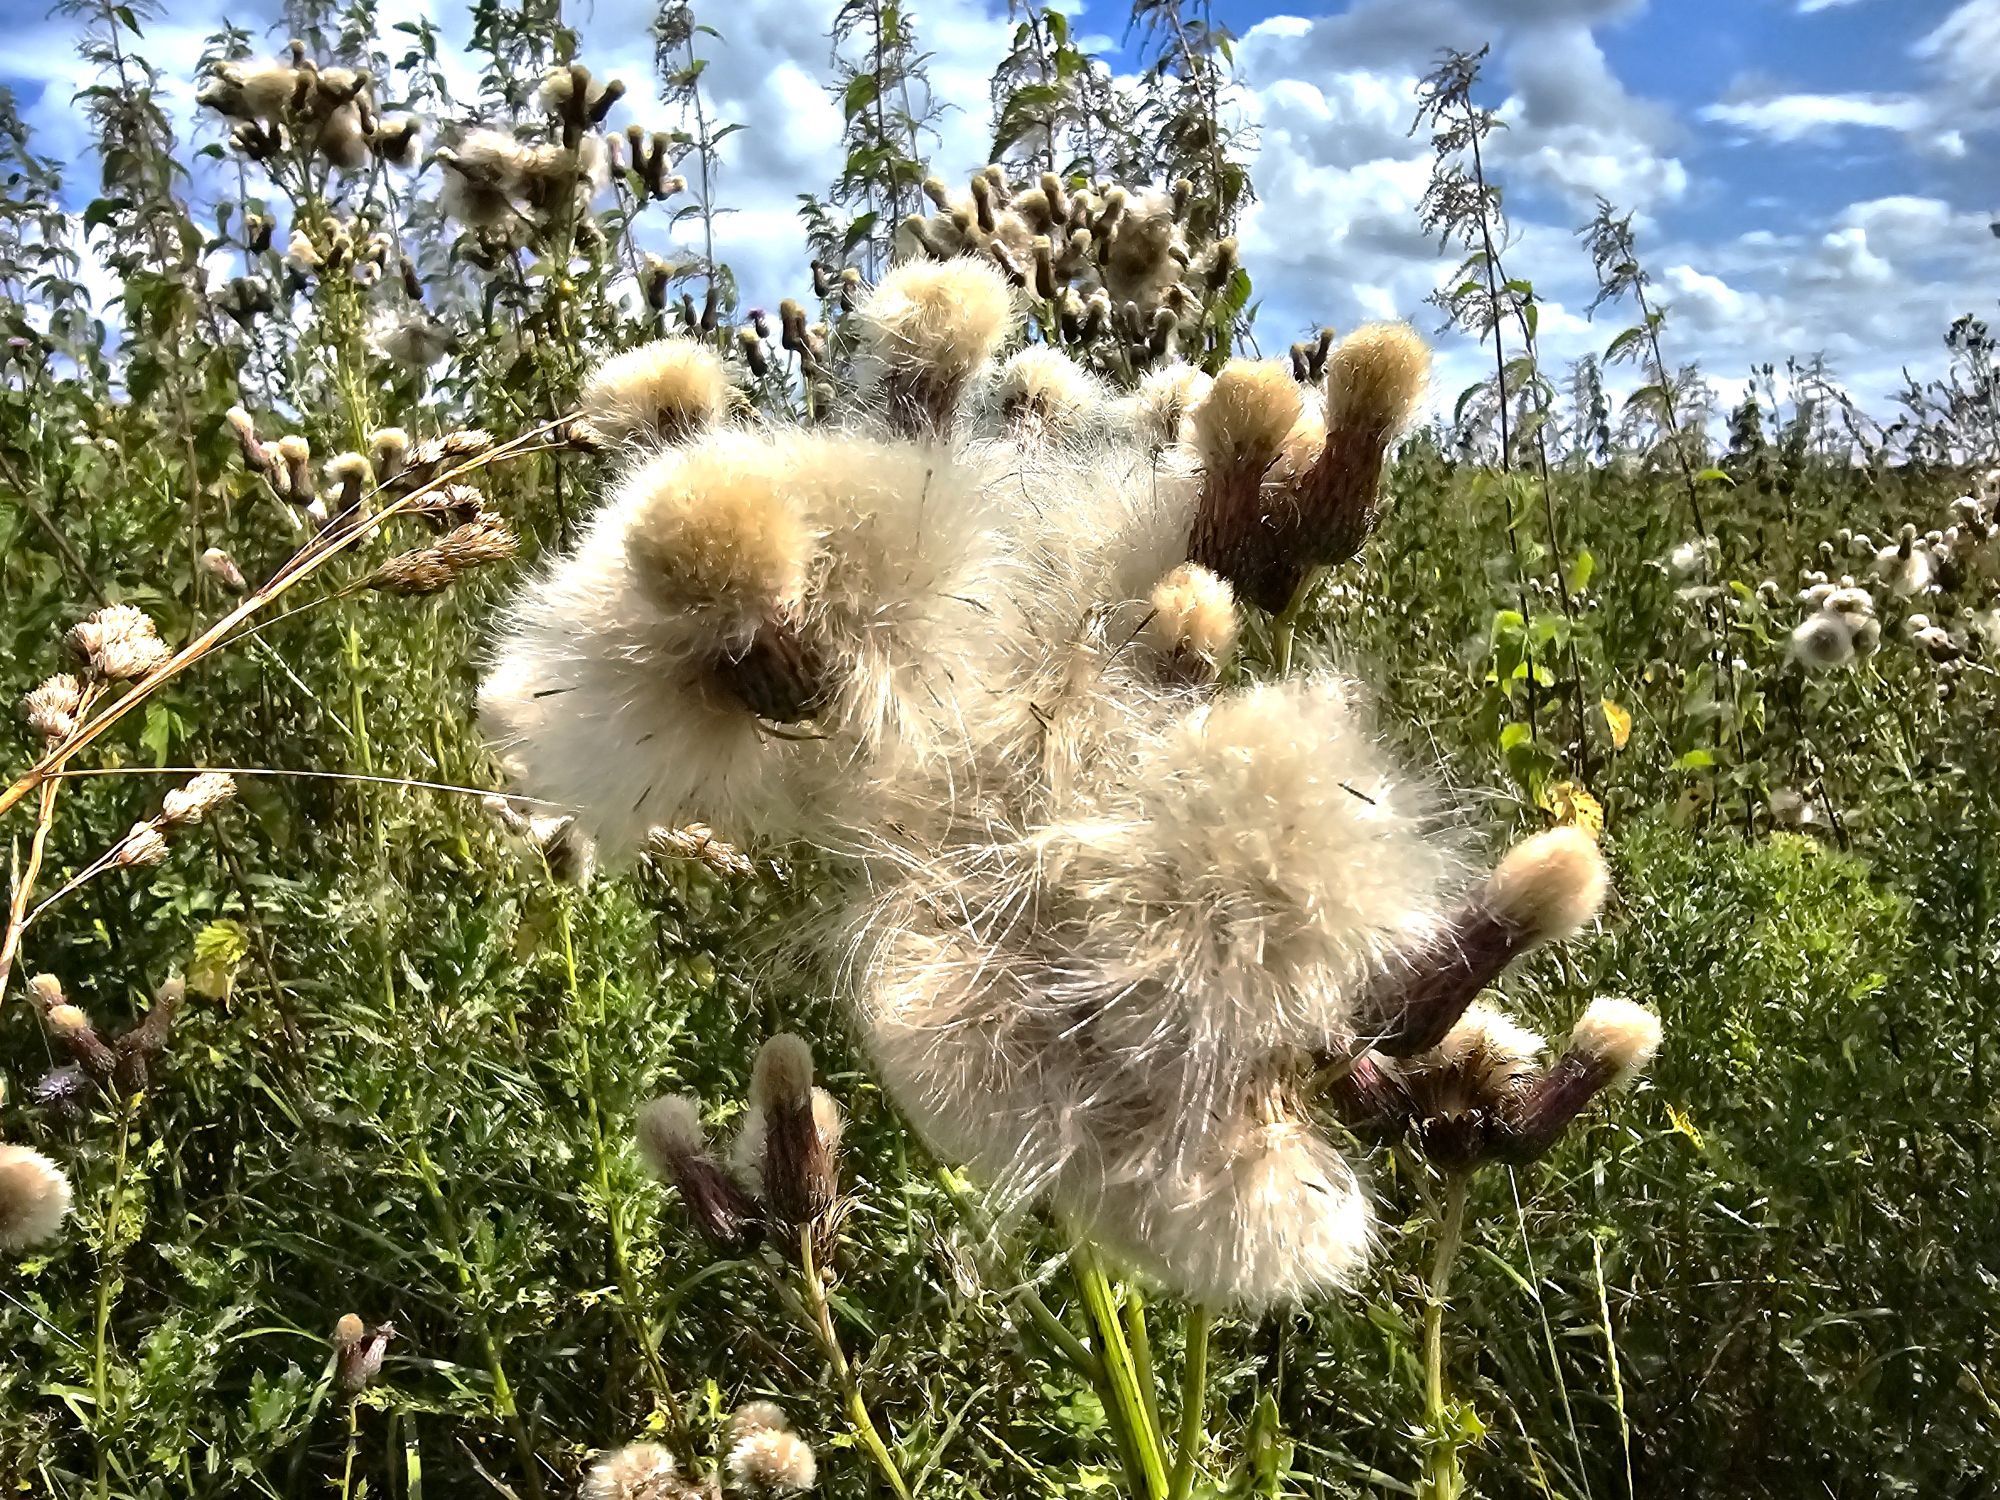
(800,1176)
(119,642)
(757,1416)
(774,1461)
(220,566)
(639,1471)
(1546,889)
(199,798)
(34,1197)
(1193,622)
(141,848)
(665,391)
(51,708)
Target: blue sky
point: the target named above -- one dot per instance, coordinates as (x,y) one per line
(1808,174)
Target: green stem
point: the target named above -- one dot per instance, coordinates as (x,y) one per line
(353,1443)
(829,1340)
(1194,1399)
(1443,1476)
(678,1435)
(1142,1356)
(1126,1404)
(1052,1328)
(107,1285)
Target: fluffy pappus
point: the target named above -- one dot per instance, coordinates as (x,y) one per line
(749,576)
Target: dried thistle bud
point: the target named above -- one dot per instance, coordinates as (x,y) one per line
(143,847)
(136,1049)
(673,1144)
(348,473)
(756,1416)
(220,566)
(755,354)
(801,1177)
(34,1198)
(388,448)
(1610,1045)
(196,800)
(1367,1095)
(503,811)
(348,1333)
(47,990)
(358,1360)
(697,841)
(1237,430)
(70,1026)
(1180,196)
(51,708)
(1460,1090)
(296,455)
(1548,887)
(256,457)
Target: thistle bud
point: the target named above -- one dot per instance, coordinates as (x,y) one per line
(1609,1046)
(70,1026)
(388,448)
(256,457)
(673,1144)
(1547,888)
(358,1353)
(296,455)
(220,566)
(141,848)
(800,1176)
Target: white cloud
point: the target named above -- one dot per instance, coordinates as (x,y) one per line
(1793,117)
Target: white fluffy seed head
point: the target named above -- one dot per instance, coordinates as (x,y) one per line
(34,1197)
(773,1462)
(1243,420)
(1486,1056)
(944,316)
(1044,393)
(1823,640)
(670,1133)
(667,390)
(1193,616)
(1618,1034)
(757,1416)
(1374,379)
(639,1471)
(1157,412)
(1276,1218)
(1551,885)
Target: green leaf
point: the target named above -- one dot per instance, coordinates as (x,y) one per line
(1581,570)
(862,91)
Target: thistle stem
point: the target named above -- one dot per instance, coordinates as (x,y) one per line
(107,1286)
(1443,1476)
(1194,1401)
(1125,1402)
(814,1291)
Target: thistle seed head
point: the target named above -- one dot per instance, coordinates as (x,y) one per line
(34,1197)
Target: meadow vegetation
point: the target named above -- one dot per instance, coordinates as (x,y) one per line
(358,1100)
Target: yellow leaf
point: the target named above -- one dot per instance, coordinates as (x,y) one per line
(1685,1126)
(1620,723)
(1572,804)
